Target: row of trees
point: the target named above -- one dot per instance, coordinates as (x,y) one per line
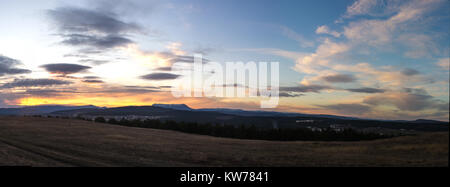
(247,132)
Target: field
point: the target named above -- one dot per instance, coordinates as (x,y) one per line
(28,141)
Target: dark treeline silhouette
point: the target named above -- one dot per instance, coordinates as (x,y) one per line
(247,132)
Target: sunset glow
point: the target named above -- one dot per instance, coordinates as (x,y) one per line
(351,58)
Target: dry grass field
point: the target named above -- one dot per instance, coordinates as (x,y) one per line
(27,141)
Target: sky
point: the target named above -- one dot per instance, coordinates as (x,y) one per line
(377,59)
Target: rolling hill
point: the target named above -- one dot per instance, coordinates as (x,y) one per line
(30,141)
(235,117)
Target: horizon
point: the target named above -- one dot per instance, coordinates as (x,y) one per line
(256,110)
(384,60)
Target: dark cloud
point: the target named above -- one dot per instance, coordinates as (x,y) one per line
(287,94)
(66,76)
(410,72)
(442,107)
(18,83)
(7,98)
(93,81)
(142,87)
(366,90)
(403,101)
(235,85)
(94,30)
(135,89)
(352,109)
(91,77)
(164,69)
(418,91)
(65,69)
(305,88)
(7,66)
(100,42)
(46,92)
(160,76)
(339,78)
(173,58)
(78,20)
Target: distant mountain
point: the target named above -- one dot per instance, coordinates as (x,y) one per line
(255,113)
(428,121)
(261,119)
(40,109)
(173,106)
(259,113)
(224,116)
(163,112)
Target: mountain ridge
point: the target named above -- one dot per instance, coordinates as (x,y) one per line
(47,109)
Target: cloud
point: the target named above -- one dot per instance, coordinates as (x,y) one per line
(65,69)
(46,92)
(325,30)
(163,59)
(99,42)
(235,85)
(410,72)
(417,91)
(164,69)
(287,94)
(366,90)
(313,63)
(34,83)
(297,37)
(383,8)
(339,78)
(185,59)
(95,29)
(351,109)
(369,7)
(384,76)
(305,88)
(142,87)
(418,45)
(78,20)
(93,61)
(160,76)
(7,66)
(399,27)
(403,101)
(91,77)
(390,26)
(93,81)
(444,63)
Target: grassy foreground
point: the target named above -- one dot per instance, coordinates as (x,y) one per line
(66,142)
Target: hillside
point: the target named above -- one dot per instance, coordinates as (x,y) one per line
(266,121)
(63,142)
(41,109)
(237,118)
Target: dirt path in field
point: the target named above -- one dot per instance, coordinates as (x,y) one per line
(59,158)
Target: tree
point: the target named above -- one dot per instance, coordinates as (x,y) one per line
(100,120)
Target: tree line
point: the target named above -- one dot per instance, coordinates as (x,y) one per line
(247,132)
